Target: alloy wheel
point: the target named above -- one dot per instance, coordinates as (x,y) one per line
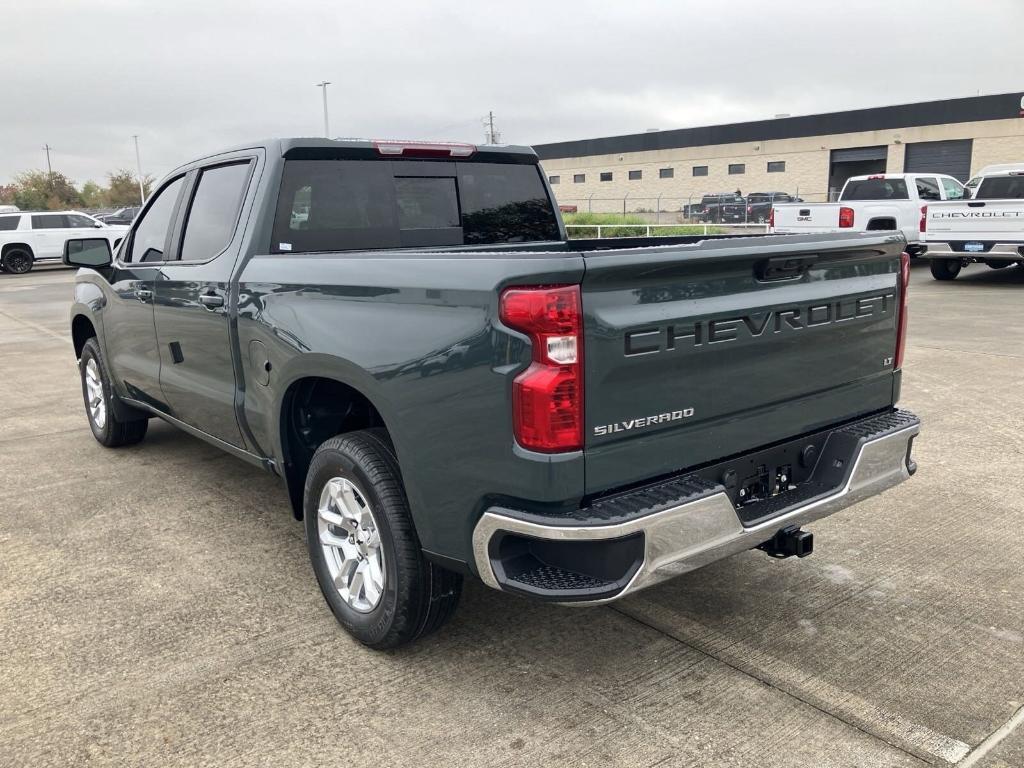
(351,544)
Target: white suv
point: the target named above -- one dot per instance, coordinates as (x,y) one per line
(38,236)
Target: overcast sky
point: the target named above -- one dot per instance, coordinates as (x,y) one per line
(189,77)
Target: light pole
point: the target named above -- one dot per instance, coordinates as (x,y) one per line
(327,125)
(138,170)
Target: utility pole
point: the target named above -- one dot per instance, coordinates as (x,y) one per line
(492,136)
(327,125)
(49,168)
(138,170)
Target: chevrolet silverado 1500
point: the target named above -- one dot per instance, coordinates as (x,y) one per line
(449,387)
(988,228)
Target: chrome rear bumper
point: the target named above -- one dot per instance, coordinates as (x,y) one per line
(698,532)
(1009,251)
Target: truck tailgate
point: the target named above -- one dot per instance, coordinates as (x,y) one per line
(806,217)
(695,353)
(983,220)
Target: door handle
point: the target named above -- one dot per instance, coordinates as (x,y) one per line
(211,300)
(143,294)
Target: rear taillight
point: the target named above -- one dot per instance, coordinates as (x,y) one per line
(901,321)
(547,398)
(924,218)
(771,218)
(845,217)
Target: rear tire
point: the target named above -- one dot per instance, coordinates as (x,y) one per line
(98,394)
(18,261)
(946,269)
(357,519)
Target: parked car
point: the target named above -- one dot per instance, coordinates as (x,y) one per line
(882,202)
(716,413)
(989,229)
(759,204)
(122,216)
(31,237)
(9,209)
(724,207)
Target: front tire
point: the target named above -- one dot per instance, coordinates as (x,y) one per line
(363,545)
(98,394)
(18,261)
(946,269)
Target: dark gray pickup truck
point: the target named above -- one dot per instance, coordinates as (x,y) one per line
(449,387)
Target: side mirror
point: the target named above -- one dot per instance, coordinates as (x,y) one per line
(98,225)
(92,252)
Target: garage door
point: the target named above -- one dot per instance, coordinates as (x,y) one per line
(949,157)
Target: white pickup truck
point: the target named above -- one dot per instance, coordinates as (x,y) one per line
(884,201)
(31,237)
(987,229)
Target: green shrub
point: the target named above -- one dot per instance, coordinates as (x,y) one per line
(627,226)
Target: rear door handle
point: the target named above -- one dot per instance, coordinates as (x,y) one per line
(143,294)
(211,300)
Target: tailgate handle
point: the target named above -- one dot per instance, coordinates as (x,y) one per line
(805,211)
(784,267)
(975,205)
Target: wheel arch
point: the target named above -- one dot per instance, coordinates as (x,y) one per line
(312,408)
(8,247)
(82,329)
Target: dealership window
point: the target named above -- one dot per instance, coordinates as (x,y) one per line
(778,166)
(579,178)
(666,173)
(700,170)
(554,179)
(606,175)
(737,168)
(636,175)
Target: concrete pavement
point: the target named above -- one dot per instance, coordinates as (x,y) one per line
(157,606)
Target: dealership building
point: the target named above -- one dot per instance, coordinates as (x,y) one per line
(810,156)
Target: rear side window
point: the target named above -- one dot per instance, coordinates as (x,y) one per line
(1001,188)
(928,189)
(875,189)
(49,221)
(339,205)
(214,211)
(9,223)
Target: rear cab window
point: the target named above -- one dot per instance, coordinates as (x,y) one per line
(345,204)
(1001,188)
(875,189)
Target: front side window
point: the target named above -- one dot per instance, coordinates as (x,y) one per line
(214,211)
(953,189)
(9,223)
(339,205)
(928,189)
(150,237)
(49,221)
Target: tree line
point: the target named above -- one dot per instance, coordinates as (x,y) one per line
(42,191)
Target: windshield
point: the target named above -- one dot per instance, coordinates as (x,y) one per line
(339,205)
(875,189)
(1001,188)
